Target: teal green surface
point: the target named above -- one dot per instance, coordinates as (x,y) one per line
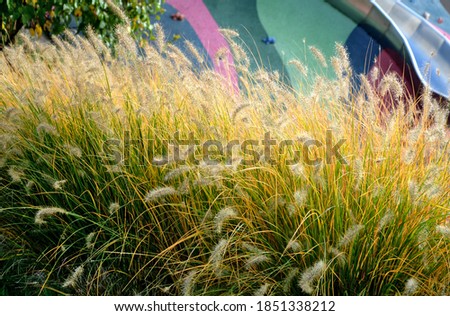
(297,24)
(242,16)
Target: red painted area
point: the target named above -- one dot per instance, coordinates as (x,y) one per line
(201,20)
(390,60)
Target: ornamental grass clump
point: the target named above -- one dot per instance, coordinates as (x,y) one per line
(156,181)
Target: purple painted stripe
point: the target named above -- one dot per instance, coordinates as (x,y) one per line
(201,20)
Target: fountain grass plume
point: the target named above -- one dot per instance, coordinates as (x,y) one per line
(43,213)
(223,215)
(74,277)
(160,193)
(310,275)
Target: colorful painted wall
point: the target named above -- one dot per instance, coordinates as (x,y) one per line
(293,25)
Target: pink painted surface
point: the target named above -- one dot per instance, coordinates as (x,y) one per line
(201,20)
(442,31)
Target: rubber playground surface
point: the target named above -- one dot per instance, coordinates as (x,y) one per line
(288,28)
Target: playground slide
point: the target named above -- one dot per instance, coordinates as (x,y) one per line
(427,49)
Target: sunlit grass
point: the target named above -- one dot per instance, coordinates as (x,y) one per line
(87,209)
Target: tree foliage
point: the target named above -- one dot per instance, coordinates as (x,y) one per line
(53,16)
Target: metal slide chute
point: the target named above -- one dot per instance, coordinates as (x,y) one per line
(428,50)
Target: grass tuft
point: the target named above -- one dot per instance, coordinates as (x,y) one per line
(170,191)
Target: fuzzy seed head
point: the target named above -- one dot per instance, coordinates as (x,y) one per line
(238,109)
(184,187)
(217,255)
(318,56)
(29,186)
(160,193)
(443,230)
(72,280)
(343,56)
(413,135)
(350,235)
(413,190)
(10,112)
(117,168)
(117,11)
(294,246)
(113,208)
(338,255)
(81,173)
(73,151)
(310,275)
(378,190)
(194,52)
(221,54)
(255,260)
(298,169)
(374,73)
(408,156)
(229,33)
(176,173)
(189,283)
(300,197)
(287,283)
(15,174)
(47,129)
(251,248)
(304,136)
(89,240)
(213,169)
(262,290)
(411,286)
(391,83)
(160,38)
(386,220)
(432,191)
(359,174)
(422,238)
(292,209)
(319,180)
(58,185)
(222,216)
(300,67)
(46,212)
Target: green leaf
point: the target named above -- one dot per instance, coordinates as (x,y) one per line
(27,14)
(99,16)
(67,7)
